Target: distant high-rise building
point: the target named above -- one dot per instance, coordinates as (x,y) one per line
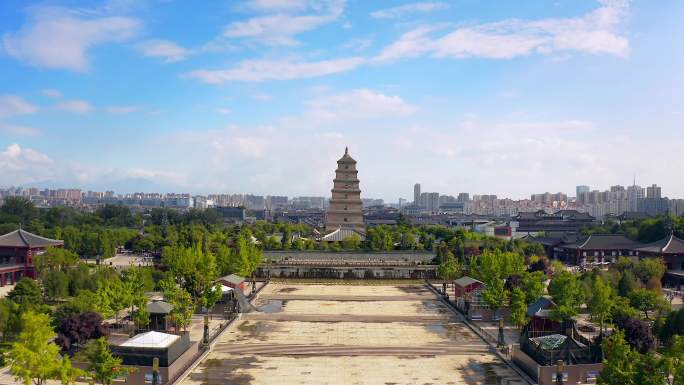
(653,192)
(463,197)
(429,201)
(581,189)
(345,206)
(416,194)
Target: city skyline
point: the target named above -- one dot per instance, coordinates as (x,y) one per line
(508,100)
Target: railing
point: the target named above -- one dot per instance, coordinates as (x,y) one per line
(204,348)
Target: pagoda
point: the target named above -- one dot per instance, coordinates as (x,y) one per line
(345,210)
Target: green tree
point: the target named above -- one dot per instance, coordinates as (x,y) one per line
(448,270)
(34,359)
(518,308)
(627,283)
(601,303)
(18,210)
(647,301)
(55,284)
(26,291)
(619,361)
(102,365)
(183,305)
(533,285)
(55,259)
(650,268)
(566,291)
(140,315)
(352,242)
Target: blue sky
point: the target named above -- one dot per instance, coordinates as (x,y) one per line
(262,96)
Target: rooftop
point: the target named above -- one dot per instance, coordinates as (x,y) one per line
(22,238)
(604,242)
(151,340)
(667,245)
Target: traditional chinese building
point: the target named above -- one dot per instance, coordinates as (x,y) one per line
(671,249)
(346,209)
(17,250)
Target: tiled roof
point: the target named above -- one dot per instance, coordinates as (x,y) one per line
(159,307)
(466,281)
(22,238)
(232,278)
(667,245)
(341,234)
(540,307)
(604,242)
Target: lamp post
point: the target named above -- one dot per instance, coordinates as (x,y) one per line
(155,371)
(559,372)
(502,340)
(205,340)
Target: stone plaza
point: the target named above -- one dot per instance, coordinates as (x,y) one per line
(345,334)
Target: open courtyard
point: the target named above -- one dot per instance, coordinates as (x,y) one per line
(344,334)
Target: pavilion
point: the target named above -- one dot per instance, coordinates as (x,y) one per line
(17,250)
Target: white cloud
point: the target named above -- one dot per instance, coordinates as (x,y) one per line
(263,70)
(357,104)
(12,105)
(280,28)
(167,50)
(81,107)
(252,146)
(121,110)
(223,111)
(17,130)
(278,5)
(58,38)
(22,165)
(51,93)
(409,9)
(596,32)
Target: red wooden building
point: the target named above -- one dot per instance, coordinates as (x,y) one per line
(17,250)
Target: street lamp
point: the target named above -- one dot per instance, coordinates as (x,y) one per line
(559,372)
(155,371)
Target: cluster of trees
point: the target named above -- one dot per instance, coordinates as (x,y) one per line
(643,230)
(624,365)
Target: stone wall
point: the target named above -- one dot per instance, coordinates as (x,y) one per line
(344,272)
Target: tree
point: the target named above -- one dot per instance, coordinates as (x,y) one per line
(448,270)
(627,283)
(649,268)
(646,301)
(26,291)
(140,315)
(533,285)
(638,334)
(55,284)
(566,291)
(18,210)
(601,303)
(103,366)
(352,242)
(10,318)
(618,362)
(518,308)
(34,359)
(76,330)
(55,259)
(183,306)
(112,297)
(674,360)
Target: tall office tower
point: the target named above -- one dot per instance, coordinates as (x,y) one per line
(416,194)
(653,192)
(581,189)
(345,208)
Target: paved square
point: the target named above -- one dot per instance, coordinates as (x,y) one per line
(351,335)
